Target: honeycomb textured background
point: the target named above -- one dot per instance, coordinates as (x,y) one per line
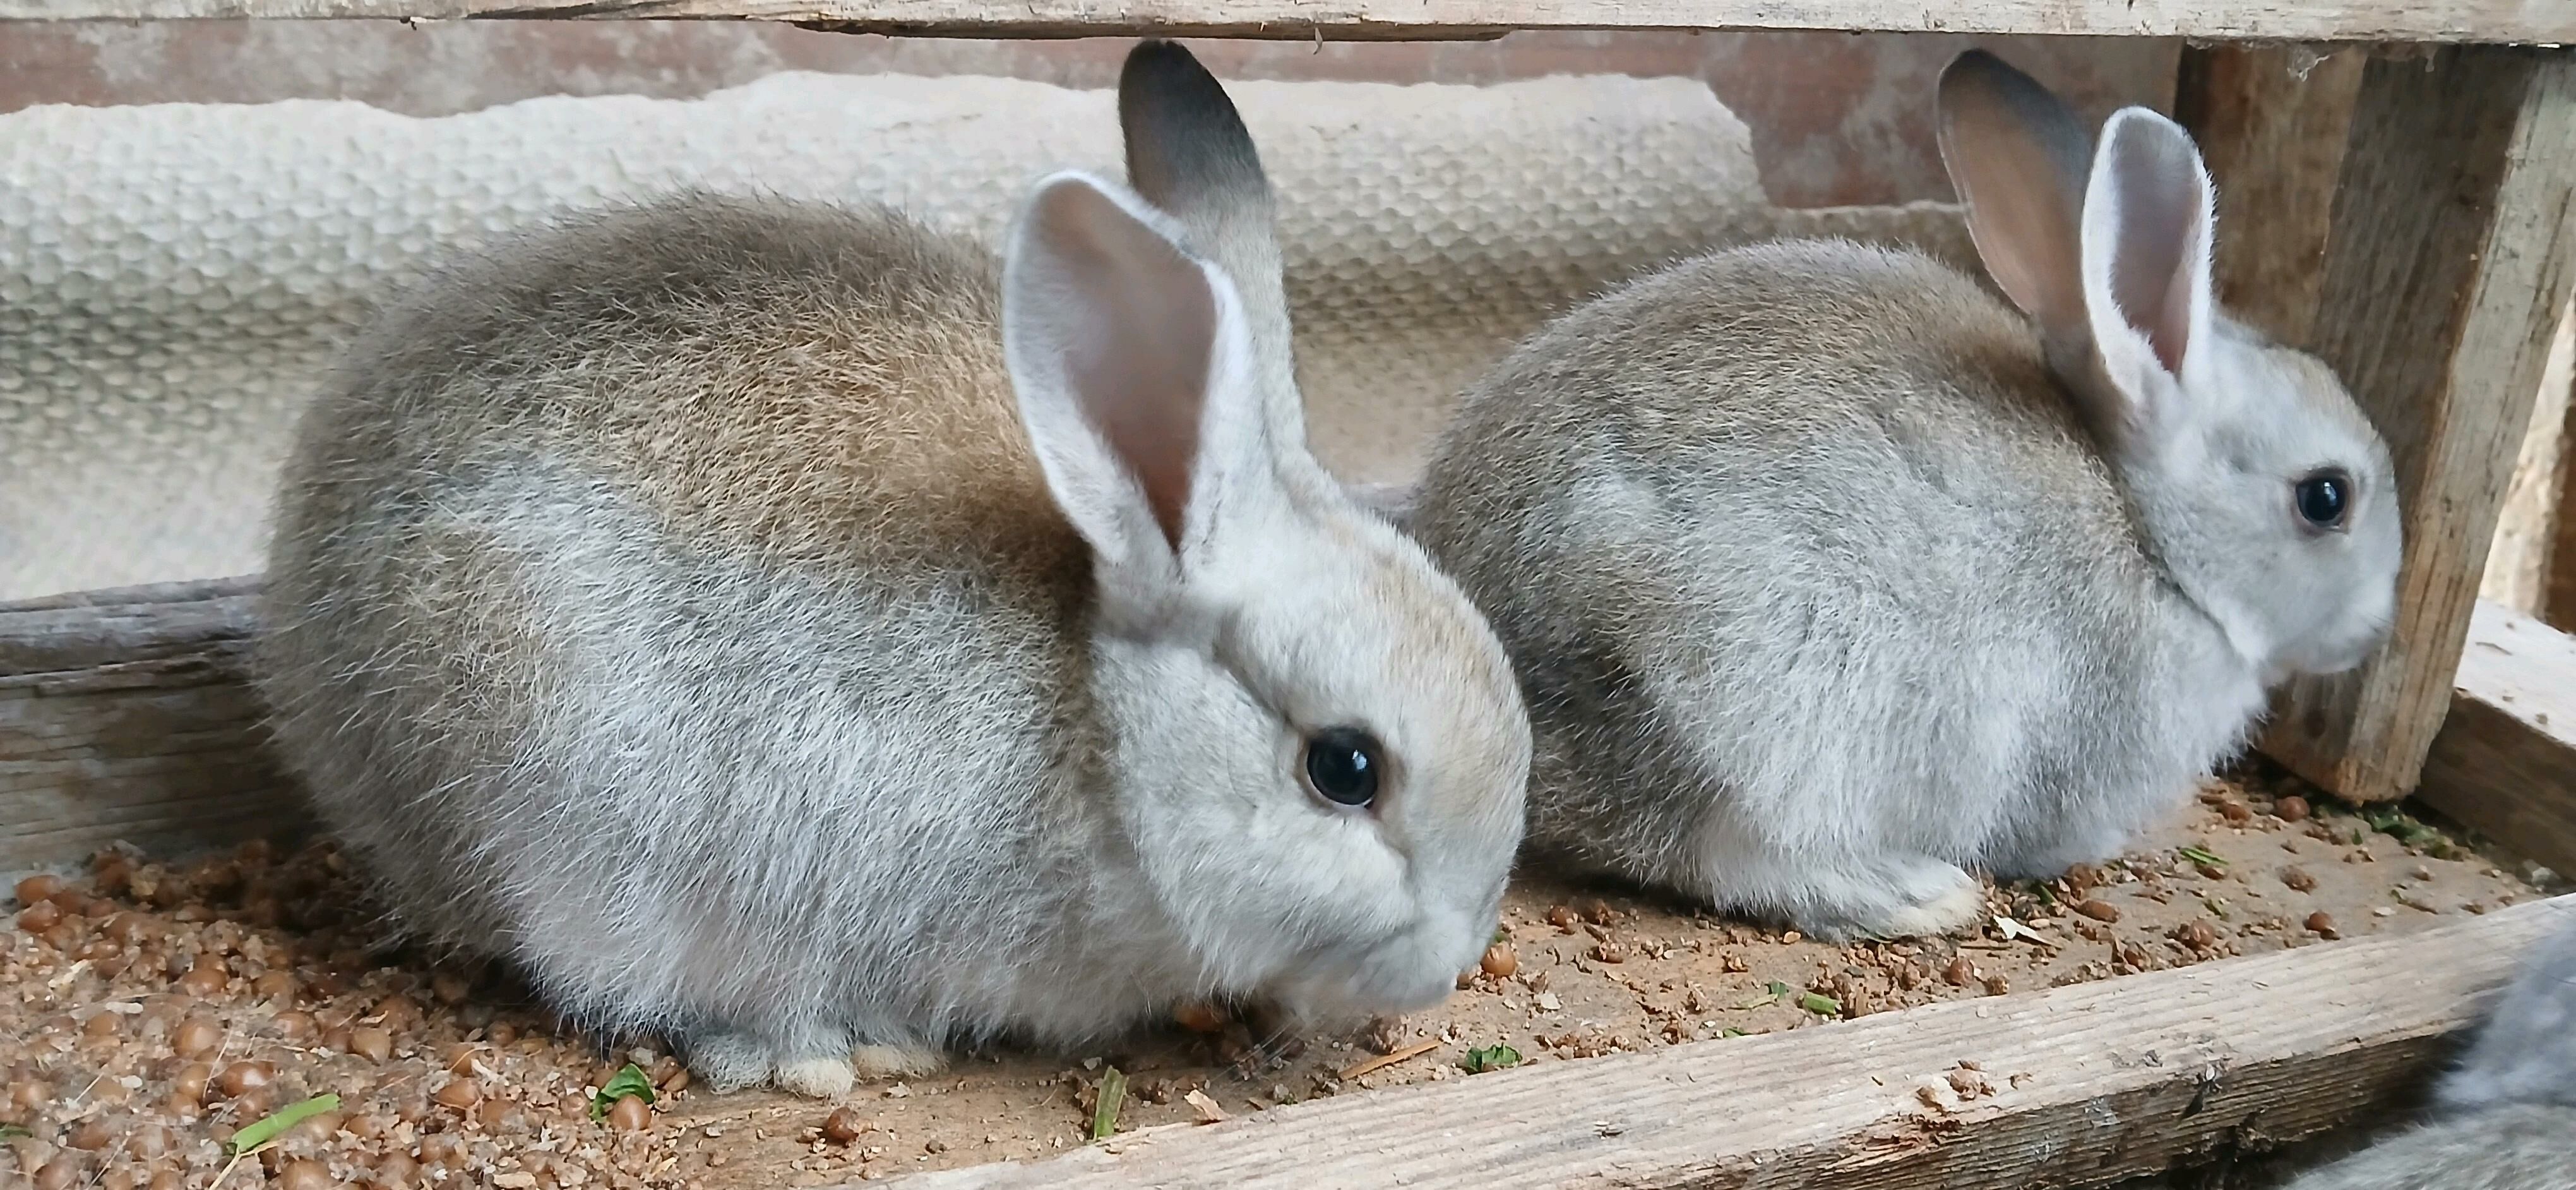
(173,279)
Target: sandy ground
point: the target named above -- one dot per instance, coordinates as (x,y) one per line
(149,1011)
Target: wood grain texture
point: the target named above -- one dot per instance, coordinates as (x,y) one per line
(2122,1077)
(2272,121)
(125,715)
(2505,762)
(2449,265)
(2526,21)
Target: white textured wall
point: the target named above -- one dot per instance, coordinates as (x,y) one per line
(173,278)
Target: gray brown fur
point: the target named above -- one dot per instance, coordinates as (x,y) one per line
(673,603)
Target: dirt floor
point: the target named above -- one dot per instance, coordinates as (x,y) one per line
(149,1013)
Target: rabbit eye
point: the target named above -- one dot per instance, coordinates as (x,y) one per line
(2323,497)
(1342,765)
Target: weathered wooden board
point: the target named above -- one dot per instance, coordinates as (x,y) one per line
(2505,763)
(2092,1083)
(125,715)
(2272,121)
(2448,267)
(2525,21)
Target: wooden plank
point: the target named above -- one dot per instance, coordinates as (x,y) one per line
(2272,121)
(2505,762)
(2092,1083)
(127,715)
(2522,21)
(2447,270)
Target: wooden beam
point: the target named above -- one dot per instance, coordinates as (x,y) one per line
(2448,266)
(2505,763)
(127,715)
(2091,1084)
(2518,21)
(2272,121)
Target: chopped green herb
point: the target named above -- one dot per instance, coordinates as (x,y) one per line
(1104,1114)
(269,1127)
(2398,823)
(1501,935)
(1820,1004)
(629,1080)
(1776,988)
(2198,856)
(14,1132)
(1493,1057)
(1730,1033)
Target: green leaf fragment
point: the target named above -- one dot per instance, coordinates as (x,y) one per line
(14,1132)
(2198,856)
(1776,988)
(1494,1057)
(1104,1113)
(1731,1033)
(273,1125)
(2405,827)
(629,1080)
(1820,1004)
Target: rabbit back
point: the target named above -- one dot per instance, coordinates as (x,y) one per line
(2506,1117)
(2524,1146)
(2526,1050)
(1802,531)
(708,592)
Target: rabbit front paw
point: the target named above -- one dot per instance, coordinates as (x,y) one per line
(1888,898)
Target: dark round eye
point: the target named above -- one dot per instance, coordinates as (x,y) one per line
(2323,498)
(1342,764)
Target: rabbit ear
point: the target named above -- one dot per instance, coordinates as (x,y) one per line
(2018,158)
(2148,216)
(1129,358)
(1189,154)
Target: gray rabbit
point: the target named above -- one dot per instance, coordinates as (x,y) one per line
(1829,576)
(2506,1118)
(792,630)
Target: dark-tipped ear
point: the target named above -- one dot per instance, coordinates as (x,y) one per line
(2019,159)
(1189,154)
(1117,342)
(1188,151)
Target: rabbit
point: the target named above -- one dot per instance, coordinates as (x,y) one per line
(2505,1119)
(788,630)
(1830,577)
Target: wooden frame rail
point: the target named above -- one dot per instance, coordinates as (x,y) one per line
(2085,1085)
(2501,21)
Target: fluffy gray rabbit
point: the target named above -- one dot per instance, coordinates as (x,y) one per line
(780,627)
(2506,1118)
(1828,575)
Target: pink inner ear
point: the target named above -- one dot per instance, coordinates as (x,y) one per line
(2153,280)
(1140,366)
(2020,160)
(2172,332)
